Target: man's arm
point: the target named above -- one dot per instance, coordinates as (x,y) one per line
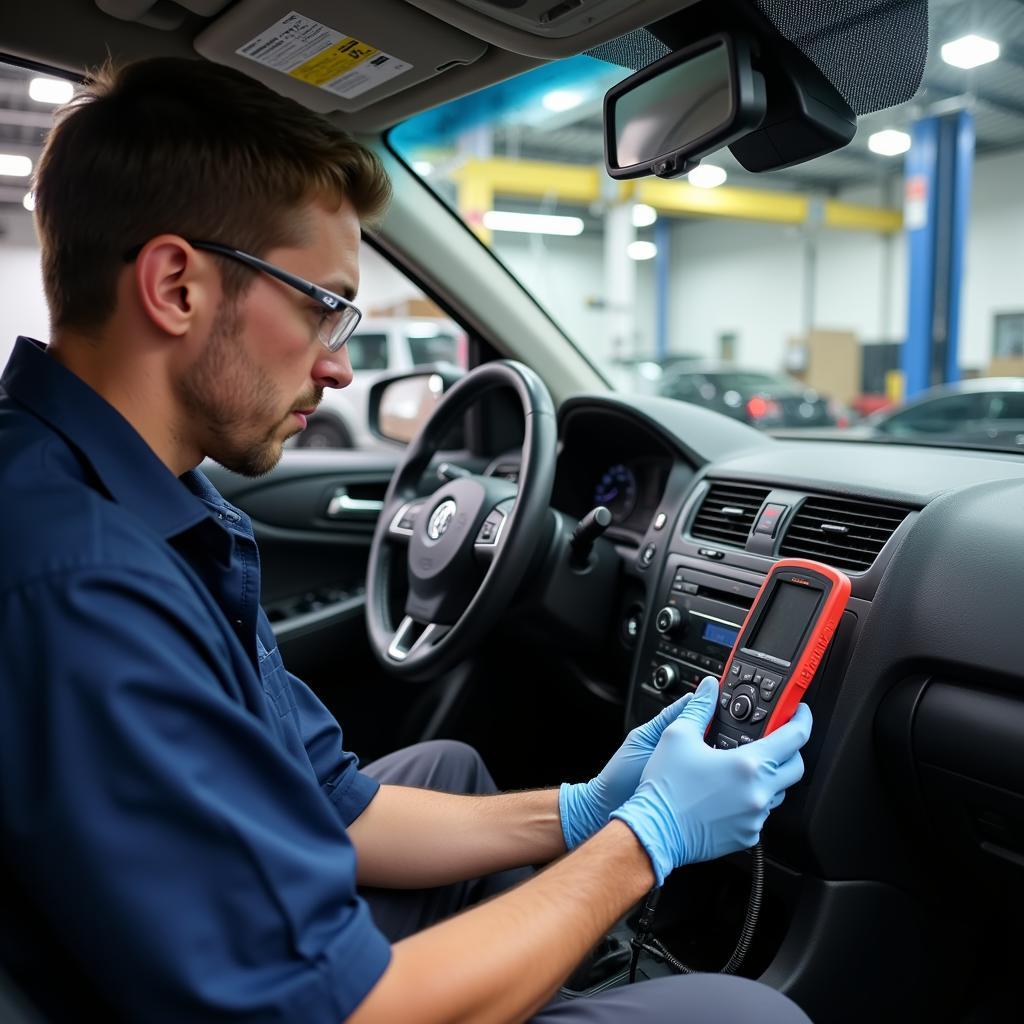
(416,838)
(503,960)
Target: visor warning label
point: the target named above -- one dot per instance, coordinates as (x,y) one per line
(322,57)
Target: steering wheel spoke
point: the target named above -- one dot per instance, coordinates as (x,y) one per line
(403,518)
(411,636)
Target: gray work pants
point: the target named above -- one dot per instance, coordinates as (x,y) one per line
(688,999)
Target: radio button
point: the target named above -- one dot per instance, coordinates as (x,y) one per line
(668,620)
(664,676)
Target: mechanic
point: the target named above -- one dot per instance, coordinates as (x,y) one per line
(184,836)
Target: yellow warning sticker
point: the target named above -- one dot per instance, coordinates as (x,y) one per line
(322,57)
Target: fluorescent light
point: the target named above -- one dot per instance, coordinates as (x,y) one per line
(15,166)
(29,201)
(970,52)
(707,176)
(561,99)
(643,215)
(533,223)
(889,142)
(422,167)
(50,90)
(641,250)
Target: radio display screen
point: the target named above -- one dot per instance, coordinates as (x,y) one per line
(783,624)
(718,634)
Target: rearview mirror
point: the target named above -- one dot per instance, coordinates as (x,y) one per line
(665,118)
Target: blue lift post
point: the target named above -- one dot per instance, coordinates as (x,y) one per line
(938,184)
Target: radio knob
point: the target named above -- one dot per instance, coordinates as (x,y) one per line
(664,677)
(741,707)
(668,621)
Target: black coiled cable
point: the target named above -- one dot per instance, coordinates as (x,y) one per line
(644,940)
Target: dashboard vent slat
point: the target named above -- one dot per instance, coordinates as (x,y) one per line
(844,532)
(727,513)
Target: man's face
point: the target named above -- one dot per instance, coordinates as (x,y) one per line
(263,360)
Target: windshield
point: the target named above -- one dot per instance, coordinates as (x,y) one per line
(807,280)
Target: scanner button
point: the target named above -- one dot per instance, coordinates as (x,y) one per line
(736,669)
(747,675)
(746,739)
(758,678)
(759,715)
(767,692)
(723,742)
(723,701)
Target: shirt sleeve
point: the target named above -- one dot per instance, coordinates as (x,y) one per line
(189,863)
(347,788)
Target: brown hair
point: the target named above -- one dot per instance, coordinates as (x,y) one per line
(185,147)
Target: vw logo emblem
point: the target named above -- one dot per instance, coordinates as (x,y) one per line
(441,519)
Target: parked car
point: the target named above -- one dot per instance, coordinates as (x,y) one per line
(380,346)
(755,397)
(987,412)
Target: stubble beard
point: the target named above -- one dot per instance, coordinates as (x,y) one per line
(231,400)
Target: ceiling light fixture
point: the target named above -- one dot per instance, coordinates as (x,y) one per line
(643,215)
(641,250)
(707,176)
(970,51)
(559,100)
(13,166)
(29,201)
(422,167)
(533,223)
(50,90)
(889,142)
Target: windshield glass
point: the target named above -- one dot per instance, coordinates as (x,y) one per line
(802,283)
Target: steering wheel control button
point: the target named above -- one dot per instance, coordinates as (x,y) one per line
(710,553)
(769,520)
(660,521)
(647,555)
(664,677)
(741,707)
(490,530)
(723,742)
(668,620)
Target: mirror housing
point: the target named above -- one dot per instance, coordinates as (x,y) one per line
(400,403)
(666,117)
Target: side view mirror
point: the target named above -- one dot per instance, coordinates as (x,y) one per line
(665,118)
(400,404)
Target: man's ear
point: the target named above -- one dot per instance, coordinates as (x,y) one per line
(174,285)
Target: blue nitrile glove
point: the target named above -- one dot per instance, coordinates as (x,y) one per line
(695,802)
(584,806)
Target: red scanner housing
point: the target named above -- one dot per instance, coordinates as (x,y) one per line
(778,650)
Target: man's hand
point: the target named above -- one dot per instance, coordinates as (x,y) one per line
(584,807)
(695,802)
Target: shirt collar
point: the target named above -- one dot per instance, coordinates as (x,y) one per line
(126,466)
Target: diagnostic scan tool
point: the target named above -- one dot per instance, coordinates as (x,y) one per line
(778,650)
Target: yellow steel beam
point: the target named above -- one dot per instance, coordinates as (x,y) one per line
(476,197)
(577,183)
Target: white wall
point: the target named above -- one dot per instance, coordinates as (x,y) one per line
(22,304)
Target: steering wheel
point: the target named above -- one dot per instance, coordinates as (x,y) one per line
(467,545)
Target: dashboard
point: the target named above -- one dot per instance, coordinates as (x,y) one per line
(920,699)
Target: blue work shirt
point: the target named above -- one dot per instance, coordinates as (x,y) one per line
(173,802)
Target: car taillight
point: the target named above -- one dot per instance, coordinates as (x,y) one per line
(759,408)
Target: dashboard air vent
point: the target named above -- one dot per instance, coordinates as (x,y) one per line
(728,512)
(842,532)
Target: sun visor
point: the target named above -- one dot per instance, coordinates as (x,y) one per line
(332,55)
